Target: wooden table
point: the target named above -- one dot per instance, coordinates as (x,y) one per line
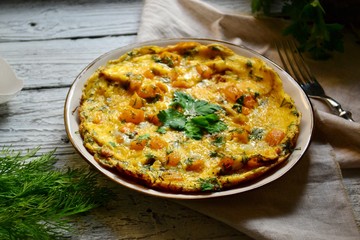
(48,42)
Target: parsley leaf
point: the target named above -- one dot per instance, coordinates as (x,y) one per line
(172,118)
(204,108)
(193,107)
(216,127)
(204,121)
(183,100)
(193,131)
(195,117)
(210,123)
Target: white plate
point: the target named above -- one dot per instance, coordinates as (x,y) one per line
(291,87)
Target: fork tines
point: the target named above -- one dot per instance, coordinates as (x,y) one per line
(294,62)
(295,65)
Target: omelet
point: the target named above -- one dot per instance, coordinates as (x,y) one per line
(188,117)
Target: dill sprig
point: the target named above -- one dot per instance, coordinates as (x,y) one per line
(36,199)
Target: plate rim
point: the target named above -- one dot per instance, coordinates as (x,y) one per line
(68,112)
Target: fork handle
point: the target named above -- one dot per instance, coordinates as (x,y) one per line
(337,107)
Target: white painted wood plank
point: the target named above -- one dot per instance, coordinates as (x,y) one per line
(35,118)
(54,19)
(56,63)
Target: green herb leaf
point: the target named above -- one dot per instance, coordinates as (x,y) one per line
(219,141)
(204,108)
(256,134)
(172,118)
(308,25)
(205,120)
(193,107)
(216,127)
(209,184)
(183,100)
(196,117)
(193,131)
(145,136)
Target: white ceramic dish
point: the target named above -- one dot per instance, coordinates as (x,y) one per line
(10,85)
(291,87)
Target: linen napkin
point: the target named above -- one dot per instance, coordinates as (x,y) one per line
(309,202)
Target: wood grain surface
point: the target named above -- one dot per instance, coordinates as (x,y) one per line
(48,43)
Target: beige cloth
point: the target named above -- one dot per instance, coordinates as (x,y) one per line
(309,202)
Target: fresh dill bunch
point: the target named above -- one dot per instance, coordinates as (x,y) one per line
(36,199)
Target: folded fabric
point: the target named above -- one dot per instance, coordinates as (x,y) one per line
(309,202)
(184,18)
(344,136)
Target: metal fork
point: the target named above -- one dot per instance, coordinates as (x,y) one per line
(295,65)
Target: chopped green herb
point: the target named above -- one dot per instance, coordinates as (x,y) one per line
(168,151)
(150,159)
(295,113)
(239,104)
(168,61)
(287,147)
(250,73)
(256,134)
(130,54)
(240,100)
(285,103)
(161,130)
(215,48)
(154,99)
(237,107)
(244,158)
(189,161)
(156,58)
(258,78)
(209,184)
(249,63)
(144,137)
(219,141)
(213,154)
